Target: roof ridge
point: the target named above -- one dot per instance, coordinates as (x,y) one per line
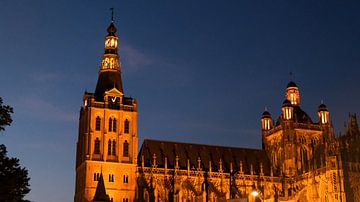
(209,145)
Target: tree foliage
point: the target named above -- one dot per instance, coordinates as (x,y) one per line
(5,115)
(14,180)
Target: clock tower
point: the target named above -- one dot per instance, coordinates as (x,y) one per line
(107,141)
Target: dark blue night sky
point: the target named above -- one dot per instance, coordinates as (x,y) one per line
(201,71)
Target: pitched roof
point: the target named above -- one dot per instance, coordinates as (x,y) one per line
(100,193)
(206,153)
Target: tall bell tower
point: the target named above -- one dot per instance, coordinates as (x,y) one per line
(107,142)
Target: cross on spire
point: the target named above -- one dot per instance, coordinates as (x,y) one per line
(292,76)
(112,14)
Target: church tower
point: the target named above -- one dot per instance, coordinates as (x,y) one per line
(107,142)
(292,140)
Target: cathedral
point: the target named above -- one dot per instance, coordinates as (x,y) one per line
(300,160)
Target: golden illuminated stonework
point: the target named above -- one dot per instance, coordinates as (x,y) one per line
(301,159)
(107,147)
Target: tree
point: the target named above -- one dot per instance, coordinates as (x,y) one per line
(14,180)
(5,115)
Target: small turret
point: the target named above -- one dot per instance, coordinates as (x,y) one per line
(323,114)
(287,110)
(266,121)
(292,93)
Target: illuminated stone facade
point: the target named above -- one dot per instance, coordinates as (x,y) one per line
(107,143)
(300,160)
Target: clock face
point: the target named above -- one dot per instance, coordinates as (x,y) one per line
(113,99)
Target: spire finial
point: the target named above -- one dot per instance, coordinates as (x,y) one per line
(112,14)
(291,76)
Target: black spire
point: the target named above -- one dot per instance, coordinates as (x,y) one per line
(112,14)
(112,29)
(110,70)
(100,193)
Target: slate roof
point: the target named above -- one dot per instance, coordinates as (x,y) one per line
(206,153)
(322,107)
(299,116)
(266,114)
(107,80)
(291,84)
(111,29)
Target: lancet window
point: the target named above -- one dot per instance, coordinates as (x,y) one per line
(97,123)
(97,146)
(126,126)
(112,124)
(126,148)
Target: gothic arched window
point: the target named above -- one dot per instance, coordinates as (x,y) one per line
(126,148)
(96,176)
(109,147)
(114,125)
(110,124)
(126,126)
(97,146)
(114,147)
(126,179)
(304,158)
(111,177)
(97,123)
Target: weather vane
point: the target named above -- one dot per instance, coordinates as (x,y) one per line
(112,14)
